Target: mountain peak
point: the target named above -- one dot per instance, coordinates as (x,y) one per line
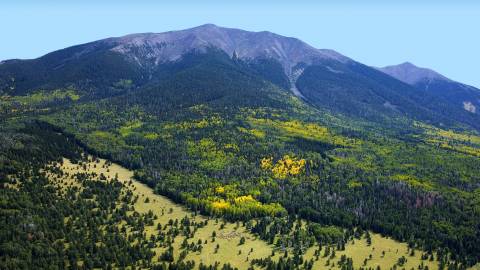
(407,65)
(207,25)
(412,74)
(170,46)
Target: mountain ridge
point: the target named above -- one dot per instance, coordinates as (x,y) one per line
(246,45)
(230,40)
(99,67)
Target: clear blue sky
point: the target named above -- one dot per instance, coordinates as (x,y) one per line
(442,35)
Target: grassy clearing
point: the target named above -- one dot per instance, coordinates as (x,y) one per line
(384,252)
(227,238)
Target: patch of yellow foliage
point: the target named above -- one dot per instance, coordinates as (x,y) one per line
(255,132)
(220,190)
(202,123)
(151,136)
(462,149)
(231,146)
(220,205)
(354,184)
(102,134)
(199,108)
(449,134)
(266,163)
(293,129)
(128,127)
(305,130)
(448,139)
(287,166)
(411,180)
(244,199)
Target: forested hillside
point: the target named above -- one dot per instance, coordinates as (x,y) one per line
(88,213)
(227,138)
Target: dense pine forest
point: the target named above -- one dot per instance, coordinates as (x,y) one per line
(227,139)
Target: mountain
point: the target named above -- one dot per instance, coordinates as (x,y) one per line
(243,126)
(323,78)
(462,101)
(411,74)
(141,56)
(153,48)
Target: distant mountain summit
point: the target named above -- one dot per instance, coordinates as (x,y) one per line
(442,88)
(411,74)
(158,48)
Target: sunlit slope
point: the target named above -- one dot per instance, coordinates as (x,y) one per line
(385,252)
